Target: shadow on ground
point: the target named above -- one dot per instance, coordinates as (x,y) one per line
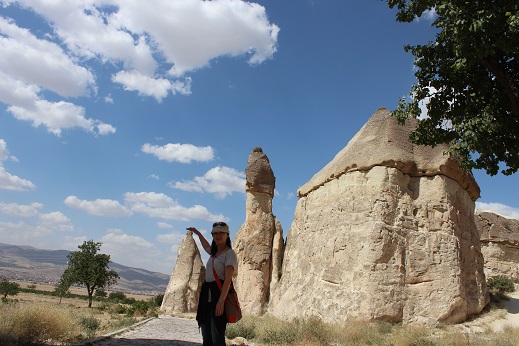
(142,342)
(512,305)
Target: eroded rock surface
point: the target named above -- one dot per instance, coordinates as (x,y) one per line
(259,242)
(385,231)
(499,237)
(186,280)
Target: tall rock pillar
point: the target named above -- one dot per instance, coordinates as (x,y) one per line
(259,242)
(186,280)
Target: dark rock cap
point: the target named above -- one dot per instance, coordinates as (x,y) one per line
(259,175)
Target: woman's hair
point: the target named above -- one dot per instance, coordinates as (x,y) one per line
(214,248)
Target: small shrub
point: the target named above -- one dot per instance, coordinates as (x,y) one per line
(138,308)
(273,331)
(100,293)
(117,297)
(118,309)
(90,325)
(245,328)
(501,284)
(157,300)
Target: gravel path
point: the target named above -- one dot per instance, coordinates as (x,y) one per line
(165,330)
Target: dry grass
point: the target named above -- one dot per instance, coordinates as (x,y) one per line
(38,323)
(267,330)
(30,322)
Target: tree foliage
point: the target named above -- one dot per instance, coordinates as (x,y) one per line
(62,289)
(89,268)
(470,76)
(8,287)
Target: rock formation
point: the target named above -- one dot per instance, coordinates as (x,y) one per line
(499,237)
(259,242)
(186,280)
(385,231)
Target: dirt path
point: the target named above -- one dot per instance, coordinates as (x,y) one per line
(165,330)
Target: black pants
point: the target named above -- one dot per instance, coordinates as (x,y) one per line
(212,326)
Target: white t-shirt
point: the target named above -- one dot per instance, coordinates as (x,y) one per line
(221,261)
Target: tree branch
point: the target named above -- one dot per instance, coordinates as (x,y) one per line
(506,82)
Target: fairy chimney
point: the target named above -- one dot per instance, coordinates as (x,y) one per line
(259,241)
(499,237)
(186,280)
(385,231)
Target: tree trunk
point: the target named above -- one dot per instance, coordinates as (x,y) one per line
(506,81)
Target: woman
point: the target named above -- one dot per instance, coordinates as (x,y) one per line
(210,314)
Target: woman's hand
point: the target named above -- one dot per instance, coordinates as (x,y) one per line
(219,308)
(203,241)
(194,230)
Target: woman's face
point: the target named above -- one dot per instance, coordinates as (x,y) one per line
(220,237)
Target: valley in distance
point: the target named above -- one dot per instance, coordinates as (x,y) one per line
(32,265)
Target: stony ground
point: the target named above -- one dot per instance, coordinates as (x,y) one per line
(165,330)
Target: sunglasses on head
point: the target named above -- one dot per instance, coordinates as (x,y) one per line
(216,224)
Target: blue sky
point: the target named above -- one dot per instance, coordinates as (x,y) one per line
(127,121)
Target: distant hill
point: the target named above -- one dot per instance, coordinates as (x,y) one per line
(27,263)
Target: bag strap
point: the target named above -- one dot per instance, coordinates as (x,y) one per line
(219,283)
(216,278)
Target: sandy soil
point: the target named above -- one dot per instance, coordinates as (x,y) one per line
(496,320)
(511,318)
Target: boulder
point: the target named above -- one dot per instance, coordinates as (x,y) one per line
(385,231)
(259,241)
(186,280)
(499,237)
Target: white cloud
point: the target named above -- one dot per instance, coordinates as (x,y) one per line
(179,36)
(22,233)
(153,47)
(170,238)
(428,15)
(163,225)
(9,181)
(72,243)
(153,176)
(99,207)
(25,104)
(104,129)
(12,182)
(123,247)
(499,208)
(221,181)
(109,99)
(194,32)
(183,153)
(4,152)
(56,220)
(40,233)
(20,210)
(37,62)
(148,86)
(29,64)
(159,205)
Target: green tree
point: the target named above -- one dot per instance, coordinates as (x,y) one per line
(8,288)
(470,76)
(89,268)
(62,289)
(100,293)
